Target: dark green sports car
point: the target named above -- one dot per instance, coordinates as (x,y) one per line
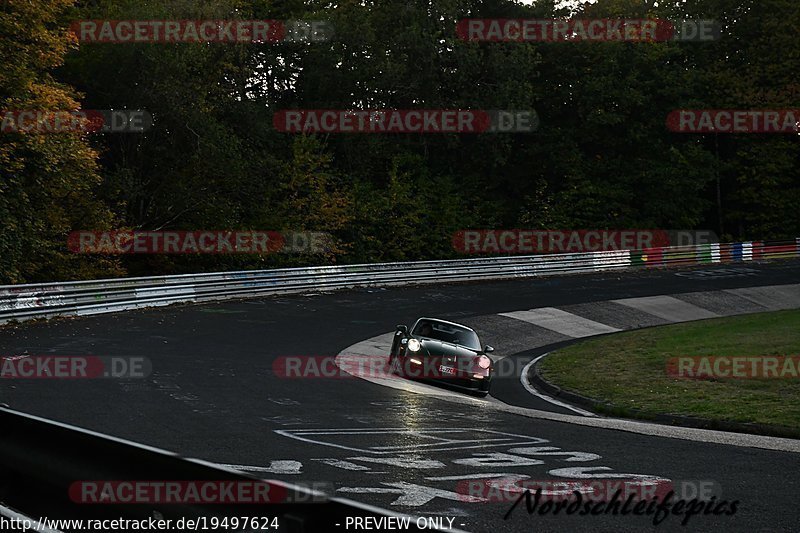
(442,351)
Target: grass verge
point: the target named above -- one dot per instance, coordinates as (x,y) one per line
(628,370)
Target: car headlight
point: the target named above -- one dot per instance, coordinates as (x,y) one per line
(414,345)
(484,362)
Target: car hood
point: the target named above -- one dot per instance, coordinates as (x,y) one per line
(438,348)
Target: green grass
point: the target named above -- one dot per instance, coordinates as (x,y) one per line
(628,370)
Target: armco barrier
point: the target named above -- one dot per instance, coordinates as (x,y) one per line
(41,460)
(21,302)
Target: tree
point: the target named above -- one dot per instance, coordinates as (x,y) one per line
(48,182)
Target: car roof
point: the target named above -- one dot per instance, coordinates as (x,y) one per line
(443,322)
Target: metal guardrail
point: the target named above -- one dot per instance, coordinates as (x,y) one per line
(77,298)
(42,461)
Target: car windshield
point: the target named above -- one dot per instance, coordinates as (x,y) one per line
(447,333)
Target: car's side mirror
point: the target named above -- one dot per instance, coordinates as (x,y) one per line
(402,329)
(488,349)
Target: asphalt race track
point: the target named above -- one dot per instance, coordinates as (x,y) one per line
(213,395)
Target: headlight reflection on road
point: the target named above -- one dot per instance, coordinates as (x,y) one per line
(413,414)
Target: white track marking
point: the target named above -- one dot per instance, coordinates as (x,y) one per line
(412,495)
(600,472)
(402,462)
(467,477)
(632,426)
(666,307)
(579,457)
(523,378)
(275,467)
(346,465)
(788,293)
(561,322)
(509,439)
(776,297)
(496,460)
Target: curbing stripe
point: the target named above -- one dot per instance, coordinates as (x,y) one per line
(561,322)
(667,308)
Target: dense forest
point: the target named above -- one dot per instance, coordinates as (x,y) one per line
(601,157)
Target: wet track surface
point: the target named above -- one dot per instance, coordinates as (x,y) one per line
(213,395)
